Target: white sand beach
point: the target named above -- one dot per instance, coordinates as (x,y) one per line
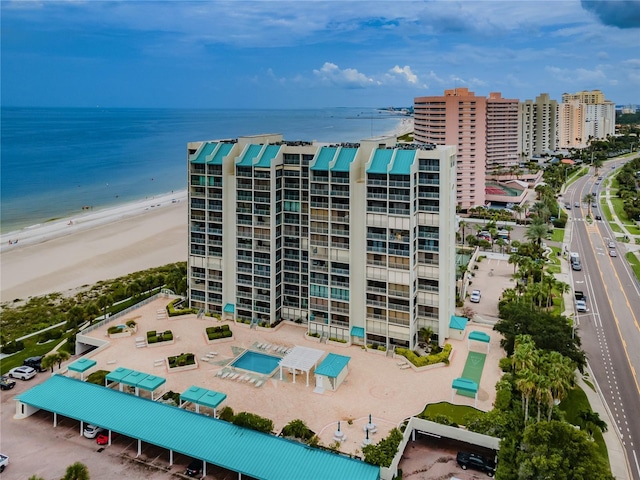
(97,245)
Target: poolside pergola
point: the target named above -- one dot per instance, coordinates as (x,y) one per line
(116,376)
(479,337)
(135,379)
(81,366)
(465,385)
(201,396)
(301,358)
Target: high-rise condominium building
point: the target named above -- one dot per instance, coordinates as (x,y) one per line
(484,130)
(355,241)
(585,116)
(538,126)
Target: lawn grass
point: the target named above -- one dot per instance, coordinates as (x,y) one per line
(633,230)
(575,176)
(457,413)
(557,235)
(618,208)
(572,405)
(31,349)
(634,262)
(606,211)
(553,269)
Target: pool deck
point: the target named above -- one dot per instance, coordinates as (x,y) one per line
(375,383)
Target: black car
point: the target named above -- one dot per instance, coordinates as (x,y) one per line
(476,462)
(598,217)
(6,383)
(34,362)
(194,468)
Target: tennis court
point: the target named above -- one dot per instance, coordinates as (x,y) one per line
(473,370)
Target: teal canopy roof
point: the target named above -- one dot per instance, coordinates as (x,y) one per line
(82,365)
(479,336)
(202,396)
(332,365)
(357,332)
(229,308)
(118,374)
(251,453)
(458,323)
(465,385)
(134,378)
(151,382)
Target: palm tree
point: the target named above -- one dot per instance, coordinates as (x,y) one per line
(462,226)
(589,199)
(77,471)
(591,422)
(104,302)
(48,361)
(62,356)
(560,378)
(526,384)
(536,232)
(91,311)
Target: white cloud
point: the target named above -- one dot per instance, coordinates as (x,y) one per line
(405,72)
(331,74)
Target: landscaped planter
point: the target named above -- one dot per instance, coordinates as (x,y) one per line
(217,340)
(126,333)
(311,338)
(338,344)
(242,324)
(160,344)
(184,368)
(376,351)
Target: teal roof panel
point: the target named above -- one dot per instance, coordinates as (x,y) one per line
(82,365)
(479,336)
(221,152)
(345,157)
(332,365)
(357,332)
(402,162)
(202,396)
(201,155)
(118,374)
(238,449)
(458,323)
(229,308)
(267,156)
(381,159)
(324,157)
(134,378)
(465,385)
(250,153)
(151,383)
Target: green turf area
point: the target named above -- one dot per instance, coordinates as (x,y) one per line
(473,370)
(557,235)
(618,208)
(457,413)
(634,262)
(574,403)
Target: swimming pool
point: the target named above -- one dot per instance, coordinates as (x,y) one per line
(256,362)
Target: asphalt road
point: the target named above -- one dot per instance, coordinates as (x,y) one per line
(610,330)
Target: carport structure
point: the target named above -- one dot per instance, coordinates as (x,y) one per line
(81,366)
(201,396)
(301,358)
(237,449)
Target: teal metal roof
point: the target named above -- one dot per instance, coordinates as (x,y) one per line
(345,157)
(479,336)
(229,308)
(118,374)
(324,157)
(267,156)
(357,332)
(221,152)
(202,396)
(250,153)
(458,323)
(201,155)
(465,385)
(238,449)
(82,365)
(151,382)
(332,365)
(380,161)
(134,378)
(402,162)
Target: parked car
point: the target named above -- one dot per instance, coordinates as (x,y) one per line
(23,373)
(4,461)
(34,362)
(194,468)
(103,437)
(6,383)
(92,431)
(476,462)
(613,253)
(475,296)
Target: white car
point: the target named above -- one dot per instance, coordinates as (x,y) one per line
(475,296)
(91,431)
(612,253)
(23,373)
(612,245)
(581,306)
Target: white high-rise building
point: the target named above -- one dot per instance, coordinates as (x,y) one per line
(356,241)
(537,126)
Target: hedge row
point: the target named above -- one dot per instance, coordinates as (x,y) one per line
(418,361)
(222,331)
(184,311)
(156,337)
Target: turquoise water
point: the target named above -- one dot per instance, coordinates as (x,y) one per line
(57,160)
(256,362)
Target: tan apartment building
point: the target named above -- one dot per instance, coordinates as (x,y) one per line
(585,116)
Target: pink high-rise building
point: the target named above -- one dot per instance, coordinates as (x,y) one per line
(484,131)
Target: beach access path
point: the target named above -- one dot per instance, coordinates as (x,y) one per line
(67,254)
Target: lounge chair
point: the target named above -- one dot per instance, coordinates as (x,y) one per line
(226,374)
(252,380)
(259,383)
(234,376)
(405,366)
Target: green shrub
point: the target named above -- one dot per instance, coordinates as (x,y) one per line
(298,429)
(55,333)
(253,421)
(214,333)
(131,323)
(12,347)
(182,360)
(151,333)
(98,377)
(382,453)
(226,414)
(114,329)
(152,339)
(173,312)
(442,357)
(168,336)
(382,348)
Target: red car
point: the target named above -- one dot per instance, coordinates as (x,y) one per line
(103,438)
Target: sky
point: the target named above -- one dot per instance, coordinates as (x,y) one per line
(310,54)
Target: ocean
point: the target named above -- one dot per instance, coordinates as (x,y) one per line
(55,161)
